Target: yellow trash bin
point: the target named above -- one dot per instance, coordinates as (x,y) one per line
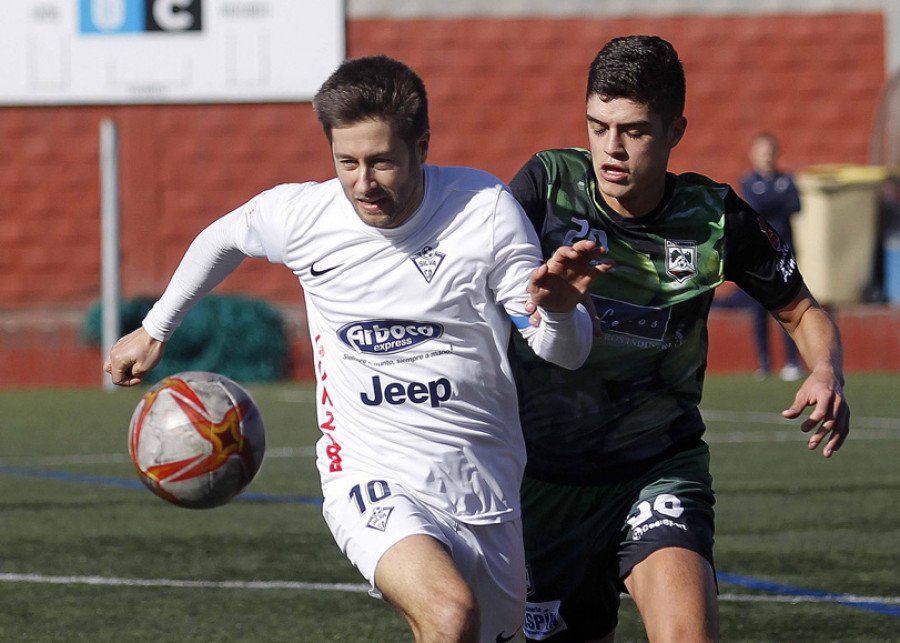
(835,232)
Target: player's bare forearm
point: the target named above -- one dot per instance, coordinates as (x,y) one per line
(561,283)
(132,357)
(819,343)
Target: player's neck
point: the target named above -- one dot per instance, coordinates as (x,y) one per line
(638,203)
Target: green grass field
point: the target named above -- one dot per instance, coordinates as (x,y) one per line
(86,556)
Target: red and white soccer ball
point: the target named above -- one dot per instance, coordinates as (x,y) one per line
(197,439)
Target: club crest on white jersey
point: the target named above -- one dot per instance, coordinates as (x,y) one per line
(428,260)
(379,518)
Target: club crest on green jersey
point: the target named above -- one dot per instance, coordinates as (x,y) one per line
(681,259)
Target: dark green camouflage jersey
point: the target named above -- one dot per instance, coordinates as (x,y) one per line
(635,400)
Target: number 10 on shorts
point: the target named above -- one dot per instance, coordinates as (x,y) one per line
(376,491)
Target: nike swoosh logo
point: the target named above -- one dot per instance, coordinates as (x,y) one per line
(317,273)
(503,639)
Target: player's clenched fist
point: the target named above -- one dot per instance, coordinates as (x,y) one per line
(132,357)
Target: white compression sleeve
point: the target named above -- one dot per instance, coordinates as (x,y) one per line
(211,257)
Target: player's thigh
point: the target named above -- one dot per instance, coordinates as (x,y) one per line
(488,560)
(492,560)
(374,521)
(673,508)
(674,589)
(572,534)
(368,516)
(666,557)
(419,578)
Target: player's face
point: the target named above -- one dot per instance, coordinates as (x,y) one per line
(380,173)
(630,147)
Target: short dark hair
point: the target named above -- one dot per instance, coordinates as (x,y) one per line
(644,69)
(374,87)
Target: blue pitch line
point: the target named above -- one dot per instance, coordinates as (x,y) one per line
(777,588)
(66,476)
(723,577)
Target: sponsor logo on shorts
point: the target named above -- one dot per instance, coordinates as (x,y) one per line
(383,336)
(503,638)
(379,518)
(638,532)
(662,513)
(542,620)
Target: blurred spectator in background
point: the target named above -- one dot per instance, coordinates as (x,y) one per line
(774,196)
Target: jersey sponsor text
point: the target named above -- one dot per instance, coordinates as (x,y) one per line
(433,392)
(382,336)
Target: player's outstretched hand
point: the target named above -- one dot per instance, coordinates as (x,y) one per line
(831,413)
(132,357)
(561,283)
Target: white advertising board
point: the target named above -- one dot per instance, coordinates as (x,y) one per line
(56,52)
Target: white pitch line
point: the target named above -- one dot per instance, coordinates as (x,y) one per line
(115,458)
(167,582)
(741,437)
(731,437)
(807,598)
(90,458)
(776,418)
(361,587)
(861,428)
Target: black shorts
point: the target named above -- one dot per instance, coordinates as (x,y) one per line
(582,541)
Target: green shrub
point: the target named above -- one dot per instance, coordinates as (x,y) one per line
(239,337)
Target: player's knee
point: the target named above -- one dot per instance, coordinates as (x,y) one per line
(689,626)
(682,632)
(455,616)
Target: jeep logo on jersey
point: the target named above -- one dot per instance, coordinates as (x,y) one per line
(383,336)
(681,259)
(433,392)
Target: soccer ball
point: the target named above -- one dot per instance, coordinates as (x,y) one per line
(197,439)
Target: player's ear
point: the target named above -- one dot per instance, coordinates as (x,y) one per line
(676,130)
(422,147)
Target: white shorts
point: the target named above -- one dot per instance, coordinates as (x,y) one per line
(367,517)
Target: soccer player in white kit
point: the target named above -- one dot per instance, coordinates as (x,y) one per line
(411,274)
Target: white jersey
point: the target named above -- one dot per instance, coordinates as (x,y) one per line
(409,327)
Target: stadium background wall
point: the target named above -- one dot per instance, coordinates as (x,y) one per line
(500,89)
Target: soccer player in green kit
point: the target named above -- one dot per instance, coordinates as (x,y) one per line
(617,493)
